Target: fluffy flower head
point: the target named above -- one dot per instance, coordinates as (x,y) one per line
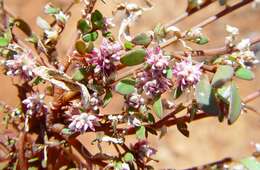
(83,122)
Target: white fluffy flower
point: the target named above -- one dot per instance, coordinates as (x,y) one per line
(35,104)
(21,65)
(83,122)
(61,17)
(244,45)
(232,30)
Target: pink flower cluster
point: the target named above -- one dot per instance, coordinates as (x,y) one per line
(83,122)
(153,80)
(134,100)
(35,104)
(21,65)
(103,58)
(157,60)
(186,73)
(142,149)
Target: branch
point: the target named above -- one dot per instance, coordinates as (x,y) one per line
(23,164)
(167,121)
(187,14)
(213,18)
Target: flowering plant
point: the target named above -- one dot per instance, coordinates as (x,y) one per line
(61,101)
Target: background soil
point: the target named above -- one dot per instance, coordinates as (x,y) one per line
(209,140)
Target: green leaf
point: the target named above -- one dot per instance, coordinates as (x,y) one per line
(177,92)
(159,32)
(224,93)
(192,5)
(245,74)
(205,97)
(183,128)
(90,37)
(125,86)
(24,26)
(83,26)
(66,131)
(235,105)
(202,40)
(142,39)
(128,45)
(3,42)
(140,133)
(251,163)
(158,107)
(169,73)
(107,98)
(150,118)
(79,74)
(97,20)
(222,2)
(37,81)
(80,46)
(128,157)
(223,74)
(133,57)
(51,10)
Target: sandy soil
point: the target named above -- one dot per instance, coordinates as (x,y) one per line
(209,140)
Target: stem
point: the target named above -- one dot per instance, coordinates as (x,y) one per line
(21,152)
(212,19)
(166,121)
(187,14)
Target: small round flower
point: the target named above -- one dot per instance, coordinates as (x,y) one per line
(108,24)
(157,59)
(134,100)
(156,87)
(103,58)
(244,45)
(232,30)
(193,34)
(94,101)
(21,65)
(83,122)
(142,149)
(35,104)
(151,88)
(186,73)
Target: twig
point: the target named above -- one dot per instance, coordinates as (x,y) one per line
(212,19)
(187,14)
(23,164)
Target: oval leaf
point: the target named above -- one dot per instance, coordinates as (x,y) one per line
(158,107)
(80,46)
(22,25)
(205,97)
(3,42)
(234,105)
(83,26)
(140,133)
(223,74)
(125,87)
(133,57)
(128,157)
(142,39)
(107,98)
(245,74)
(79,74)
(97,20)
(251,163)
(90,37)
